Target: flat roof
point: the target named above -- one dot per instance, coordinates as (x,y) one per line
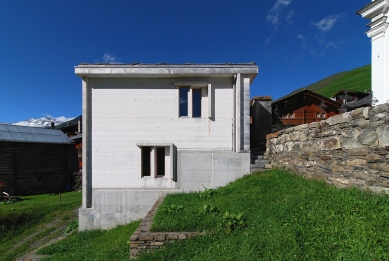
(164,70)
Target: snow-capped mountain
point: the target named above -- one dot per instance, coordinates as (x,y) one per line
(44,122)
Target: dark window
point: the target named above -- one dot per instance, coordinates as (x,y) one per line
(160,161)
(184,101)
(197,103)
(145,161)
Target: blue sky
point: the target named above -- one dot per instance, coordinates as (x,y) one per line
(294,43)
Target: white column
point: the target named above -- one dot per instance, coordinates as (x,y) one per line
(377,12)
(238,90)
(246,114)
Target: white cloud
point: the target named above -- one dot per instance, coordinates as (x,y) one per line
(300,36)
(273,15)
(331,44)
(268,40)
(109,58)
(63,118)
(290,16)
(327,23)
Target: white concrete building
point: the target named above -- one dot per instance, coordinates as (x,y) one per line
(377,12)
(152,129)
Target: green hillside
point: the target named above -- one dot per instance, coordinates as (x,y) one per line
(358,79)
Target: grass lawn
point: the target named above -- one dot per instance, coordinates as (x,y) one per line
(25,225)
(93,245)
(275,215)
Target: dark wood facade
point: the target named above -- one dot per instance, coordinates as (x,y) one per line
(303,107)
(35,168)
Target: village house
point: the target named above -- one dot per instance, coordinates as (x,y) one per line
(152,129)
(302,107)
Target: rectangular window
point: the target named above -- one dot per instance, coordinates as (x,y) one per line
(160,168)
(196,102)
(184,101)
(146,161)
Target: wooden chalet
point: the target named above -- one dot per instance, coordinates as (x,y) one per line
(35,160)
(351,100)
(302,107)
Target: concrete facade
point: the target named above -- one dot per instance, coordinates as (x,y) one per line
(134,131)
(377,12)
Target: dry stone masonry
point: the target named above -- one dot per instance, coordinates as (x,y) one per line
(351,149)
(145,241)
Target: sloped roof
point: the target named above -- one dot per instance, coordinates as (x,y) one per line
(311,93)
(15,133)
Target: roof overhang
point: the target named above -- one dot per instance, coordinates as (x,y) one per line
(374,8)
(164,70)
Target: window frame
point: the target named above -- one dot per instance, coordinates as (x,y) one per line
(172,174)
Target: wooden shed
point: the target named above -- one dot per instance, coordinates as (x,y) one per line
(35,160)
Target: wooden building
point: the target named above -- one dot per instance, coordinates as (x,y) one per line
(351,100)
(35,160)
(302,107)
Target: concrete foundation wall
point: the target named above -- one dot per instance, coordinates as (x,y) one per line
(196,170)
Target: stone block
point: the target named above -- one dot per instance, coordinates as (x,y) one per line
(146,237)
(378,183)
(373,157)
(357,162)
(337,119)
(134,237)
(157,243)
(381,151)
(382,166)
(160,237)
(171,236)
(362,123)
(268,166)
(365,113)
(356,114)
(332,143)
(325,157)
(338,168)
(313,125)
(182,236)
(383,136)
(301,127)
(368,138)
(361,175)
(358,152)
(380,108)
(134,245)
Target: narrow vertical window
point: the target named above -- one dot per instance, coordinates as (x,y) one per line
(160,168)
(196,103)
(145,161)
(184,101)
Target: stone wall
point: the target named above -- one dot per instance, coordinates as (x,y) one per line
(351,149)
(142,240)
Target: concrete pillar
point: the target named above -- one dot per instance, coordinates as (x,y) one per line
(86,145)
(238,92)
(377,12)
(246,114)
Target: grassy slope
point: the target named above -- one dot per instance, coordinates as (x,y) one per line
(25,225)
(93,245)
(287,218)
(358,79)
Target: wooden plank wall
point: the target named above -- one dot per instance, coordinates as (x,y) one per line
(33,168)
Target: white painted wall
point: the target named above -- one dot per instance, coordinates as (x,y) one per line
(130,111)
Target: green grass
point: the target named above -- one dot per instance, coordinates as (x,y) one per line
(358,79)
(286,217)
(93,245)
(26,225)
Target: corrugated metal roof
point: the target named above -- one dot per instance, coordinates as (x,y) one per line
(31,134)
